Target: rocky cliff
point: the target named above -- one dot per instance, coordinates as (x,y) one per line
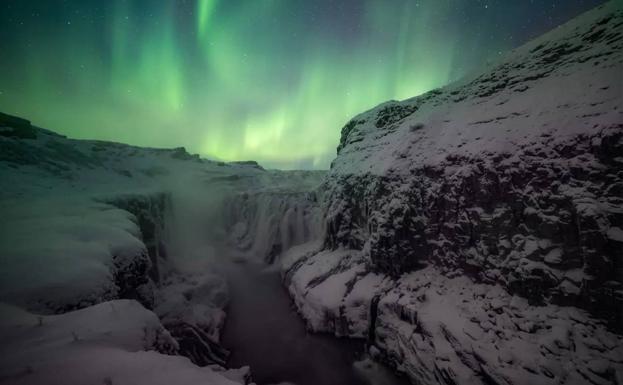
(475,233)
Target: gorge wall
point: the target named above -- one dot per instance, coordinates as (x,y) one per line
(475,233)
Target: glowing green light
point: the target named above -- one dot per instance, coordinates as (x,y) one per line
(248,81)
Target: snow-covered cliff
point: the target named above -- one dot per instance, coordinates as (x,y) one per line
(475,233)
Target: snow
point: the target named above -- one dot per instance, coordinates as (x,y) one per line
(432,324)
(457,121)
(116,342)
(195,298)
(616,234)
(113,342)
(296,254)
(317,307)
(472,325)
(56,252)
(67,245)
(332,291)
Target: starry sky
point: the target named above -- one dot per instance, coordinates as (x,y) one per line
(269,80)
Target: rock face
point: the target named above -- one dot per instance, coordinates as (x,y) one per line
(446,211)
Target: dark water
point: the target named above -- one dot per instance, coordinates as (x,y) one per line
(265,332)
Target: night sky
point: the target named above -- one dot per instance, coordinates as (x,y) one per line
(270,80)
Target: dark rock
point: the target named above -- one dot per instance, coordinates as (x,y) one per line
(14,127)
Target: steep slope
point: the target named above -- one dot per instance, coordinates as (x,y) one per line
(475,233)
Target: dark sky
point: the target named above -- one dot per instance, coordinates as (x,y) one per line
(270,80)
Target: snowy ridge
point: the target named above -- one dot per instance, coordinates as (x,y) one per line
(472,233)
(540,96)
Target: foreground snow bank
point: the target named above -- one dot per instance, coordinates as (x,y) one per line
(117,342)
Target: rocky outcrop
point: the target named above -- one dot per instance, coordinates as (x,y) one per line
(467,227)
(191,307)
(197,345)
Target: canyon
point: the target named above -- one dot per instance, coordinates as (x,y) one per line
(469,235)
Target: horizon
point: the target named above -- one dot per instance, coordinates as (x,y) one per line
(237,81)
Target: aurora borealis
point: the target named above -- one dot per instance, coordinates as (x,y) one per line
(269,80)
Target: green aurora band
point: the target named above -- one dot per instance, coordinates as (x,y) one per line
(271,80)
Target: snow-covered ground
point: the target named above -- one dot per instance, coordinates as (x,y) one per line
(116,342)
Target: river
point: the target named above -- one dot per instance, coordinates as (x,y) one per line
(264,331)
